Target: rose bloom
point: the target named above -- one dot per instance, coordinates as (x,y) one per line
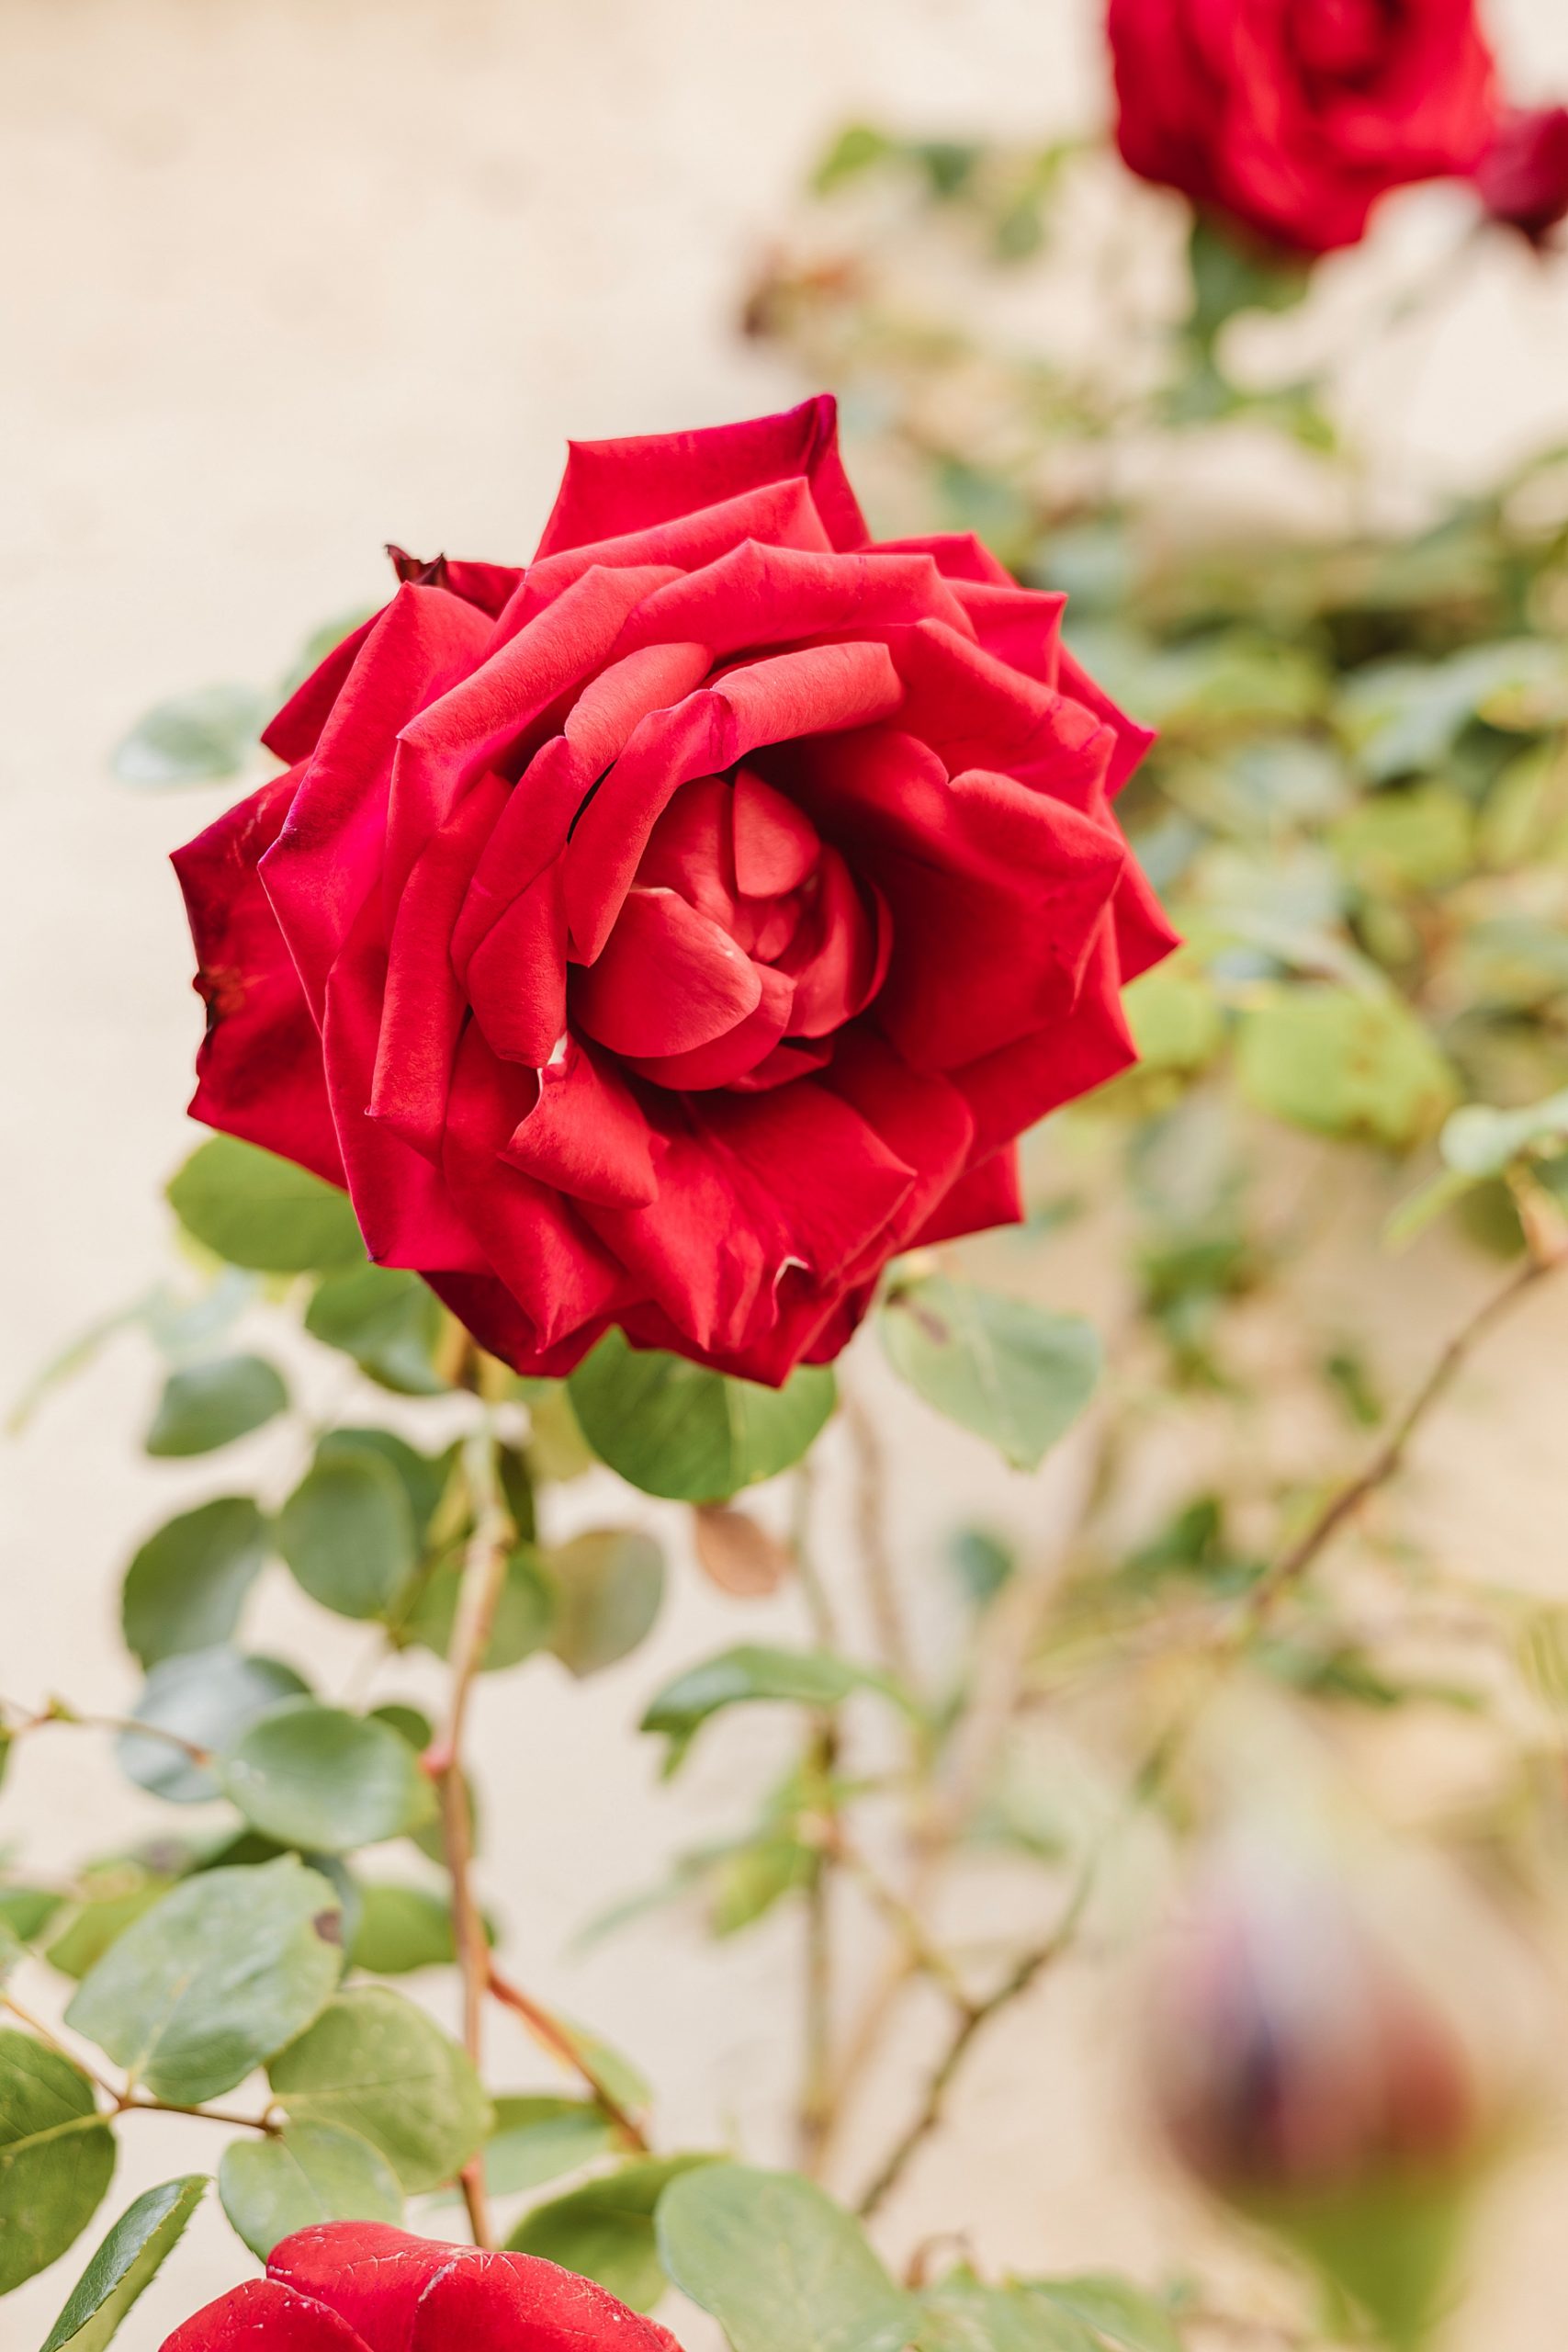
(364,2286)
(1294,116)
(1523,177)
(666,934)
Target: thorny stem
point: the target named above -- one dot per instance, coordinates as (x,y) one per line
(484,1574)
(1155,1769)
(562,2043)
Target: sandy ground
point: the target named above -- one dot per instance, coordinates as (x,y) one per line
(285,279)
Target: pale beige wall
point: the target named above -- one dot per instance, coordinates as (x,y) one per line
(284,278)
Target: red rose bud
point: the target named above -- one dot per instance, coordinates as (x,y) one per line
(669,931)
(364,2286)
(1305,2071)
(1294,120)
(1523,177)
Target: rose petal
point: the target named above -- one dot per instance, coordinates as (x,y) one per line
(265,2313)
(668,980)
(754,596)
(777,845)
(259,1070)
(725,1059)
(586,1134)
(614,486)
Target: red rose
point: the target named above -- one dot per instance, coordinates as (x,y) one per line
(670,933)
(362,2287)
(1295,116)
(1523,177)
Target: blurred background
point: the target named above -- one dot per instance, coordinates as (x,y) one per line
(287,281)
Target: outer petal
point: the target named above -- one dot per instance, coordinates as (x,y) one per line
(259,1073)
(264,2315)
(614,486)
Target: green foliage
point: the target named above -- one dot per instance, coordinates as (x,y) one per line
(373,2065)
(538,2138)
(252,1209)
(1345,1065)
(128,2260)
(208,1405)
(780,2265)
(400,1929)
(388,1321)
(214,1978)
(198,738)
(525,1612)
(304,2175)
(56,2156)
(325,1780)
(207,1698)
(673,1429)
(348,1531)
(608,1586)
(605,2229)
(742,1676)
(186,1585)
(1009,1370)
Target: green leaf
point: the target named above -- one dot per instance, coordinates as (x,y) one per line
(1232,272)
(28,1910)
(999,1366)
(673,1429)
(256,1210)
(524,1614)
(961,2315)
(1125,2316)
(205,1697)
(208,1405)
(778,2263)
(1478,1142)
(100,1918)
(538,2138)
(319,1777)
(214,1978)
(348,1531)
(604,2230)
(1342,1063)
(738,1677)
(854,150)
(186,1586)
(425,1477)
(388,1321)
(608,1587)
(192,739)
(1402,717)
(375,2064)
(56,2156)
(400,1929)
(306,2174)
(134,2250)
(1174,1017)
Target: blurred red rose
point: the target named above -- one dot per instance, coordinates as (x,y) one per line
(1523,177)
(362,2287)
(1294,116)
(669,933)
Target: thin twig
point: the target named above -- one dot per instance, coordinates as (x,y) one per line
(135,2103)
(60,1711)
(924,1957)
(815,2119)
(562,2043)
(1014,1985)
(484,1574)
(126,2099)
(814,1592)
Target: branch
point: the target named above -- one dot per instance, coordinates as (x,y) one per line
(1389,1458)
(562,2043)
(976,2014)
(125,2099)
(871,1527)
(484,1573)
(60,1711)
(1156,1767)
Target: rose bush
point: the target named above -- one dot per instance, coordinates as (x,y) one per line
(669,933)
(365,2286)
(1292,118)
